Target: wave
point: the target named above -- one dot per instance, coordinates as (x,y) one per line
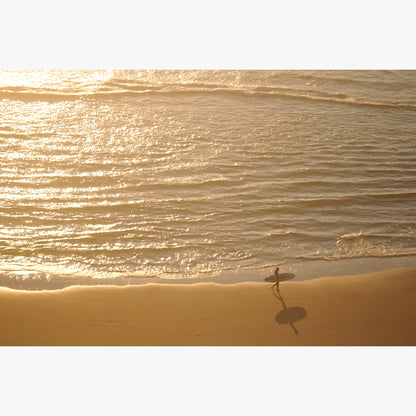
(353,199)
(336,257)
(361,235)
(130,203)
(38,95)
(12,135)
(47,95)
(303,236)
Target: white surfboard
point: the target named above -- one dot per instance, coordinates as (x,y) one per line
(282,277)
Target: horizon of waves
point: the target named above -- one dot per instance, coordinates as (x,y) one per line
(288,94)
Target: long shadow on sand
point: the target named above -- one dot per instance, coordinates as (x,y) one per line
(289,315)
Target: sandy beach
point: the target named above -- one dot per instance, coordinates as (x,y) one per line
(362,310)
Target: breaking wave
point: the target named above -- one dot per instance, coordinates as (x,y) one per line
(119,89)
(336,257)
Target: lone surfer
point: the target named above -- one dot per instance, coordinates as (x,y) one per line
(276,278)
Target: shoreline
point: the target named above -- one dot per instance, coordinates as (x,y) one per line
(372,309)
(38,280)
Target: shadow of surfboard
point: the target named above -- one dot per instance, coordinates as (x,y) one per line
(289,315)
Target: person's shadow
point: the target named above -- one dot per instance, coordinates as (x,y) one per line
(289,315)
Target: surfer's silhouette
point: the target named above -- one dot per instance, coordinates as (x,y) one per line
(276,277)
(287,315)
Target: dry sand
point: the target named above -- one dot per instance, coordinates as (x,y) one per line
(368,309)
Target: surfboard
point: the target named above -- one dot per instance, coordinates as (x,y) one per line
(282,277)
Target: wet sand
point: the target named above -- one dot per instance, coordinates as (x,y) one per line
(362,310)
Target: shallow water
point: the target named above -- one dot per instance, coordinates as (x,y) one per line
(136,176)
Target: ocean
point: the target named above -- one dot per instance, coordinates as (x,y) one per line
(129,177)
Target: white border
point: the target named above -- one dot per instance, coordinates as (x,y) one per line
(207,381)
(220,34)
